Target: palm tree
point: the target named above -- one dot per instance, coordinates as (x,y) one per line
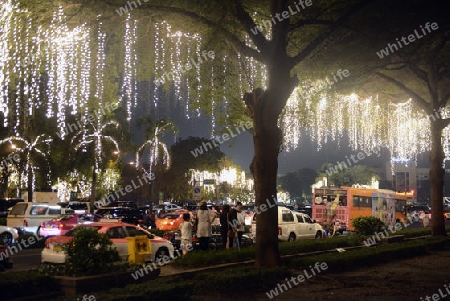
(158,152)
(95,134)
(29,148)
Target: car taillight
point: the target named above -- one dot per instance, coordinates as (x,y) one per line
(280,231)
(60,226)
(25,223)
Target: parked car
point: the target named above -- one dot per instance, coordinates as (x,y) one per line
(27,217)
(415,213)
(117,232)
(293,225)
(128,204)
(66,222)
(170,221)
(8,235)
(171,207)
(75,207)
(125,214)
(5,258)
(305,209)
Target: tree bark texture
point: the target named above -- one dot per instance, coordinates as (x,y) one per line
(437,174)
(266,138)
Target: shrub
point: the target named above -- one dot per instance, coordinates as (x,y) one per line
(368,225)
(17,284)
(89,252)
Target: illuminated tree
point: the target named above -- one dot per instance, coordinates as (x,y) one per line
(97,135)
(159,157)
(30,149)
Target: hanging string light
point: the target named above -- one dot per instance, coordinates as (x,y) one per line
(129,90)
(69,55)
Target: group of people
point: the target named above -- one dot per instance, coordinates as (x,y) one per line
(232,222)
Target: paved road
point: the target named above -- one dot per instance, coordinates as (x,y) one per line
(26,260)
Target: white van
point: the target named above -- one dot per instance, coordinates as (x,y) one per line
(293,225)
(28,216)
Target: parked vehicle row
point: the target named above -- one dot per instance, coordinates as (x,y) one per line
(27,217)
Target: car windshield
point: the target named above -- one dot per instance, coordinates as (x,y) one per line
(89,217)
(105,211)
(71,232)
(64,217)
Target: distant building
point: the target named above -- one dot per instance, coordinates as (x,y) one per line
(406,176)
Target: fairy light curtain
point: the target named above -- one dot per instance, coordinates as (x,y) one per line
(75,62)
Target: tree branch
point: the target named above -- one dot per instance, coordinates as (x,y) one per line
(233,39)
(248,24)
(422,75)
(302,23)
(445,99)
(419,100)
(336,25)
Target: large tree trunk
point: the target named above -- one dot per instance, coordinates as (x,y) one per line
(93,189)
(267,139)
(265,108)
(437,174)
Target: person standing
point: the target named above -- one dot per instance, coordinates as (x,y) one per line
(147,220)
(426,219)
(204,228)
(241,221)
(236,221)
(186,233)
(224,227)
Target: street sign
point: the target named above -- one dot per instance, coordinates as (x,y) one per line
(73,195)
(197,194)
(208,182)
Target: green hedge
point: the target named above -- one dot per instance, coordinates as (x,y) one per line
(369,256)
(247,278)
(2,221)
(242,278)
(26,283)
(196,259)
